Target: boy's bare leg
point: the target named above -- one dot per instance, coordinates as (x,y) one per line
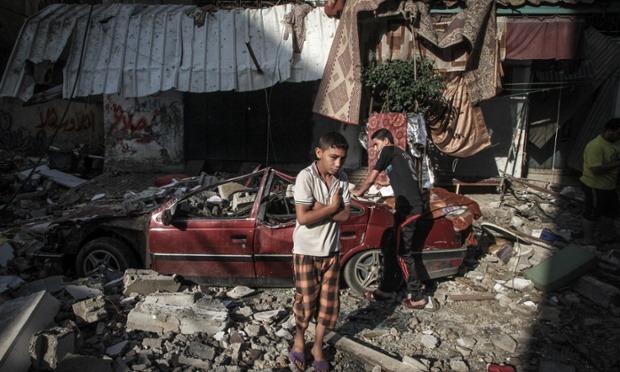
(299,345)
(300,340)
(317,348)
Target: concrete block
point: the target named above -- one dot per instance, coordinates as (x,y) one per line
(562,268)
(48,347)
(228,188)
(242,199)
(148,281)
(91,310)
(198,355)
(602,294)
(19,320)
(185,313)
(74,362)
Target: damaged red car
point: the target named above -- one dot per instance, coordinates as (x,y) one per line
(239,231)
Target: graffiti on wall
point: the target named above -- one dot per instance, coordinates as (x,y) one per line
(81,121)
(15,139)
(143,122)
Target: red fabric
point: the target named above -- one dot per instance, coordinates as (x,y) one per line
(394,122)
(441,198)
(545,39)
(494,367)
(335,9)
(167,179)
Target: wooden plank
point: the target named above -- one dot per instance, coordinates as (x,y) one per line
(363,353)
(471,296)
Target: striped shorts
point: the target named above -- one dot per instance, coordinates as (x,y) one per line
(317,282)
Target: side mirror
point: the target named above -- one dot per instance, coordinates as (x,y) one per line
(166,217)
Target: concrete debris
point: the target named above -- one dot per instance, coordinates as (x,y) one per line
(91,310)
(49,347)
(240,291)
(116,349)
(74,362)
(6,253)
(185,313)
(505,342)
(11,282)
(80,292)
(429,341)
(489,313)
(145,282)
(601,293)
(20,319)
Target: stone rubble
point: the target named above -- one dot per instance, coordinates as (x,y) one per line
(147,321)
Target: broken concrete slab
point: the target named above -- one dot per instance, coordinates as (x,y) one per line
(198,355)
(57,176)
(506,343)
(91,310)
(363,353)
(19,320)
(10,282)
(49,347)
(51,284)
(602,294)
(80,292)
(269,316)
(145,282)
(116,349)
(185,313)
(240,292)
(74,362)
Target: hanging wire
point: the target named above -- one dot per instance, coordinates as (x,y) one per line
(555,140)
(62,119)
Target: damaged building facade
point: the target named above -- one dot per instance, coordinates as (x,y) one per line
(156,86)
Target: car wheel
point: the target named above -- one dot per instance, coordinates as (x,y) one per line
(361,272)
(104,257)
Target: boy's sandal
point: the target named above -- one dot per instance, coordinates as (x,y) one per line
(297,360)
(320,366)
(377,295)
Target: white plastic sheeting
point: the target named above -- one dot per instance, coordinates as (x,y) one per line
(137,50)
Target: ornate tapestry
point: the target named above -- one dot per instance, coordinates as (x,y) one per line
(340,91)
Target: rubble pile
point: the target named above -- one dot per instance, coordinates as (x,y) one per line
(496,311)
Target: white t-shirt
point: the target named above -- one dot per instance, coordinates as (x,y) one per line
(323,237)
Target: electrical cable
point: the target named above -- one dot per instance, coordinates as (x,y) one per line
(62,119)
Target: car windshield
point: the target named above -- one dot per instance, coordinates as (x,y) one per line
(232,199)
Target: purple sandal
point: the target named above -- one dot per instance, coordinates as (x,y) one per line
(320,366)
(297,360)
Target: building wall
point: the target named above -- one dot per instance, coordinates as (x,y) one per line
(144,133)
(28,129)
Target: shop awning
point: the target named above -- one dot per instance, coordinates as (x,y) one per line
(138,50)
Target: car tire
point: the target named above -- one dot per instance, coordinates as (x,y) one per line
(104,257)
(361,272)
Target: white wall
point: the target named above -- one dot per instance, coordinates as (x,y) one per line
(144,133)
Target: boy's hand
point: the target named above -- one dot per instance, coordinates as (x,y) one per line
(337,198)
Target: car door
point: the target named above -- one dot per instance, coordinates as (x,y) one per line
(210,240)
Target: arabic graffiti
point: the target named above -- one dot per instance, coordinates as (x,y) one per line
(17,140)
(142,122)
(81,121)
